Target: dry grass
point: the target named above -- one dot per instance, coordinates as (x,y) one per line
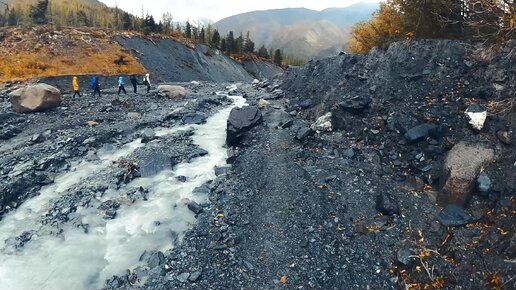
(26,54)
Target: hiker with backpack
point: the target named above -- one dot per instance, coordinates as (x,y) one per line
(146,81)
(121,84)
(95,85)
(75,85)
(134,82)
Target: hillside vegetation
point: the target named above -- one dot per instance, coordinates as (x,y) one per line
(479,20)
(37,52)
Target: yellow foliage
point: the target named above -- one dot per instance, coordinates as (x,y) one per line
(80,58)
(380,31)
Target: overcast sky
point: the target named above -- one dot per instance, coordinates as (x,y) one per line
(217,9)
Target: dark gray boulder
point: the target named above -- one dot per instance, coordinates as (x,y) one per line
(240,121)
(420,132)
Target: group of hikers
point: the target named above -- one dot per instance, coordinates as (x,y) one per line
(95,84)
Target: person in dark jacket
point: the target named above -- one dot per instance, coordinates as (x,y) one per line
(95,85)
(134,82)
(121,84)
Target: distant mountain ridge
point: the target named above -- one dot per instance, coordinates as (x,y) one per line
(299,31)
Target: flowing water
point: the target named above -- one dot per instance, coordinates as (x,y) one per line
(78,260)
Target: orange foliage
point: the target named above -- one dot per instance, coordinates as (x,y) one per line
(26,56)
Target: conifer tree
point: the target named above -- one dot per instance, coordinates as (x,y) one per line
(278,59)
(38,12)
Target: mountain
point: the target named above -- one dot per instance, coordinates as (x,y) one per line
(299,31)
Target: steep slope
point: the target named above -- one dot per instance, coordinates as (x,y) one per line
(299,31)
(171,60)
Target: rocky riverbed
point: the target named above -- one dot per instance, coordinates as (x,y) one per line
(341,176)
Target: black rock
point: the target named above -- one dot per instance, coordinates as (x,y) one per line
(306,103)
(109,204)
(153,163)
(402,122)
(221,170)
(153,258)
(195,207)
(286,124)
(181,178)
(386,205)
(304,132)
(453,216)
(194,118)
(110,214)
(197,152)
(355,105)
(419,133)
(240,121)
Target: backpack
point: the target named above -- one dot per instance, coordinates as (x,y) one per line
(93,83)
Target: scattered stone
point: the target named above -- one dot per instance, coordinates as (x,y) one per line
(386,205)
(303,133)
(37,138)
(134,115)
(419,133)
(355,105)
(460,170)
(195,276)
(35,98)
(153,163)
(195,207)
(148,135)
(173,92)
(263,103)
(404,256)
(306,103)
(154,258)
(286,124)
(183,277)
(349,153)
(483,184)
(90,140)
(240,121)
(194,118)
(477,115)
(323,124)
(453,216)
(505,137)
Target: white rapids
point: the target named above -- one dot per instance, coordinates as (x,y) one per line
(78,260)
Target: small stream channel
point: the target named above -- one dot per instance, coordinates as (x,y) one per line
(81,260)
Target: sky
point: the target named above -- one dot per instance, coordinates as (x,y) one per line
(215,10)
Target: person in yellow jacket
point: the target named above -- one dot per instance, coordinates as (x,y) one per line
(75,85)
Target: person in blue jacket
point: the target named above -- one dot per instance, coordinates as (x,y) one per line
(121,84)
(95,85)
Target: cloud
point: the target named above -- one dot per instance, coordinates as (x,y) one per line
(216,10)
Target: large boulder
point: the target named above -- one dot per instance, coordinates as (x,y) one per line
(173,92)
(240,121)
(35,98)
(460,171)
